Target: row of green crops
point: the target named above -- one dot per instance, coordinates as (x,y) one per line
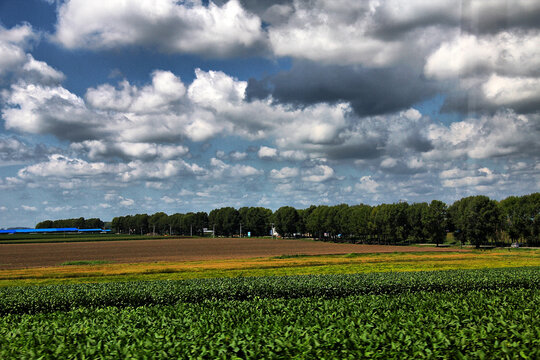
(17,300)
(483,324)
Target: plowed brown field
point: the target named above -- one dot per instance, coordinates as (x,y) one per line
(13,256)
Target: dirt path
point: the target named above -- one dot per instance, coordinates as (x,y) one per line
(13,256)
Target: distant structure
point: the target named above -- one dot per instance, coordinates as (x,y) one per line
(52,230)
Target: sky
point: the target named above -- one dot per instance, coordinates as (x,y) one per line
(111,107)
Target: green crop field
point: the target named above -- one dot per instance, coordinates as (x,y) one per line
(486,313)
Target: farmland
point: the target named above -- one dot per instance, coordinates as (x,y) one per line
(450,314)
(263,298)
(178,249)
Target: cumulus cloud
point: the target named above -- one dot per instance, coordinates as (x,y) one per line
(170,26)
(15,151)
(284,173)
(16,64)
(28,208)
(318,173)
(165,90)
(238,155)
(503,134)
(214,103)
(506,53)
(36,71)
(495,70)
(370,91)
(367,184)
(220,169)
(74,172)
(337,33)
(58,208)
(514,92)
(62,166)
(126,202)
(41,109)
(467,178)
(359,91)
(12,46)
(98,149)
(267,152)
(169,200)
(159,170)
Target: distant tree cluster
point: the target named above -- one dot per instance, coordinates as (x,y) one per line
(79,223)
(161,223)
(475,219)
(521,216)
(385,223)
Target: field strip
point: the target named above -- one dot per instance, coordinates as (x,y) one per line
(270,266)
(20,256)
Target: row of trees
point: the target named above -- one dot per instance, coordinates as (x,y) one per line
(385,223)
(79,223)
(225,221)
(474,219)
(161,223)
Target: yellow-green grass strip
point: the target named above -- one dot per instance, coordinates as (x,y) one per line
(273,266)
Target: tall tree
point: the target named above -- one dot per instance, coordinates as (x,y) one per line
(476,218)
(435,221)
(286,221)
(226,221)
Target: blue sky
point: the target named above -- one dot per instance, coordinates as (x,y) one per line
(109,108)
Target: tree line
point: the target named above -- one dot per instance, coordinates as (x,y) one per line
(79,223)
(476,220)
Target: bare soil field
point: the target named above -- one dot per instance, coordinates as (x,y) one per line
(16,256)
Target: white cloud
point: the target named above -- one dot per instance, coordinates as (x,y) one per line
(137,170)
(318,173)
(126,202)
(221,168)
(29,208)
(238,155)
(512,91)
(332,32)
(158,185)
(216,89)
(185,192)
(284,173)
(44,109)
(166,89)
(266,152)
(505,53)
(169,200)
(467,178)
(367,184)
(389,162)
(81,173)
(502,134)
(171,26)
(13,151)
(62,166)
(109,196)
(57,208)
(12,46)
(14,59)
(98,149)
(41,72)
(294,155)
